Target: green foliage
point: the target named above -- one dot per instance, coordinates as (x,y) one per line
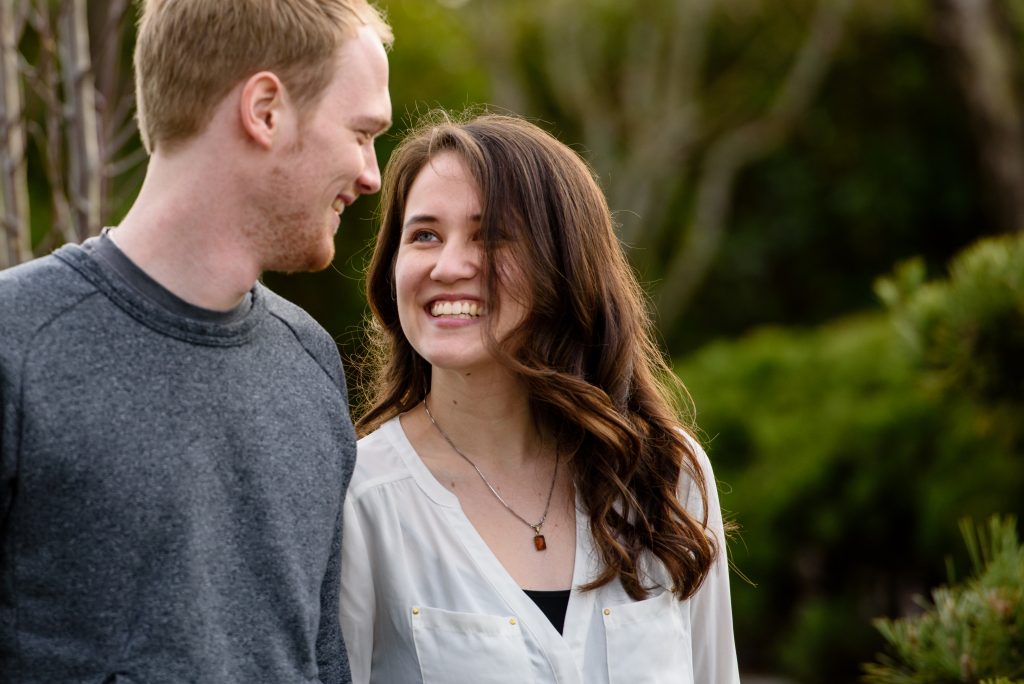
(967,332)
(971,632)
(847,465)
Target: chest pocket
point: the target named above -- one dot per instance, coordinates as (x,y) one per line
(648,642)
(468,648)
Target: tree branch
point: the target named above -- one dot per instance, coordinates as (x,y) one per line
(15,232)
(981,59)
(44,82)
(737,150)
(81,123)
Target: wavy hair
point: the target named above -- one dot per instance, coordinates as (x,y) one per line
(585,351)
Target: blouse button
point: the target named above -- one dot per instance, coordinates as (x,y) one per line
(607,611)
(415,611)
(511,621)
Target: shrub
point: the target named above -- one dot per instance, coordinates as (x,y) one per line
(966,332)
(972,632)
(848,452)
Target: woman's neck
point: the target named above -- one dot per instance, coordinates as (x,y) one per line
(482,414)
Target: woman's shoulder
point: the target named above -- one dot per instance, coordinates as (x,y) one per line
(379,457)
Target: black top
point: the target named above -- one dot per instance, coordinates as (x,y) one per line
(553,604)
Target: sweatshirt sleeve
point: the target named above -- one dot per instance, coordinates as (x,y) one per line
(714,646)
(357,606)
(8,455)
(5,496)
(330,649)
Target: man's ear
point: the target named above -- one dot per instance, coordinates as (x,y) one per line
(263,108)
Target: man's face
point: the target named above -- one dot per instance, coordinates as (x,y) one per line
(332,161)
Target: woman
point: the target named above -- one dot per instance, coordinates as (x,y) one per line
(528,506)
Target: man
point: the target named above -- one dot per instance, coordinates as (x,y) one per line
(175,437)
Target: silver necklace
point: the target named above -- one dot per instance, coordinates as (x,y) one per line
(538,539)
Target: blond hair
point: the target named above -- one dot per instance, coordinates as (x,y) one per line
(191,53)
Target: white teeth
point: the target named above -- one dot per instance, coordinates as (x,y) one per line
(461,309)
(338,205)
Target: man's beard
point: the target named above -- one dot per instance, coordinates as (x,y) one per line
(289,239)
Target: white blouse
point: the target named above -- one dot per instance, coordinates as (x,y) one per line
(423,598)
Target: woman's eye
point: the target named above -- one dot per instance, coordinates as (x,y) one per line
(422,236)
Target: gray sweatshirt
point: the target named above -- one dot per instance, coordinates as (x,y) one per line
(171,481)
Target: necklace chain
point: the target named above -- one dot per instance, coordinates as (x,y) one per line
(539,539)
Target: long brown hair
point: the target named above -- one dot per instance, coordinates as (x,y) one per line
(585,351)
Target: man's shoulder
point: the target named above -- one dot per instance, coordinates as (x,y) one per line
(36,292)
(43,269)
(291,313)
(310,334)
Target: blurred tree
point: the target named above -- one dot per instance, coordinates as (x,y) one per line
(68,128)
(15,241)
(635,84)
(882,167)
(978,36)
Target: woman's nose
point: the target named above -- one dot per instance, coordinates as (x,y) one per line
(457,261)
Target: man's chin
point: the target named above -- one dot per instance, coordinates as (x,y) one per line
(310,261)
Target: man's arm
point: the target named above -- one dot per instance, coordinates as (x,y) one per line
(5,495)
(7,460)
(330,649)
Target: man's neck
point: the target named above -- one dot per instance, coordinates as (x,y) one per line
(184,240)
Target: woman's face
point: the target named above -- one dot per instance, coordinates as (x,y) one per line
(439,270)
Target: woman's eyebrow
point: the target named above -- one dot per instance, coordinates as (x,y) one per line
(431,219)
(419,218)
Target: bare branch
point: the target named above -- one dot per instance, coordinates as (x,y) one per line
(15,233)
(498,47)
(982,59)
(81,123)
(115,100)
(740,148)
(44,81)
(639,118)
(664,126)
(126,163)
(119,140)
(569,68)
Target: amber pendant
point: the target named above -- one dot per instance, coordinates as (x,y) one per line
(539,543)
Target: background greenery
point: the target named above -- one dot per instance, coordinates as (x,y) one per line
(970,630)
(858,375)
